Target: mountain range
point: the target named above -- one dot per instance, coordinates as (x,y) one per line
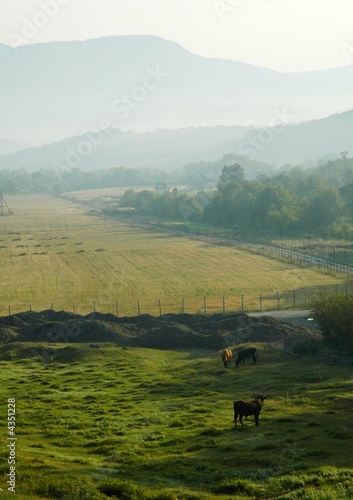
(148,102)
(60,89)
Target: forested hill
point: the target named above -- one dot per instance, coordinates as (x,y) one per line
(169,149)
(296,143)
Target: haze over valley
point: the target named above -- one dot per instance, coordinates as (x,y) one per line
(159,105)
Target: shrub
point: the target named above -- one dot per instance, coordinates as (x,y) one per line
(124,490)
(305,347)
(333,314)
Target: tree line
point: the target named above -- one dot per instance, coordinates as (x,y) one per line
(195,175)
(56,182)
(294,201)
(288,200)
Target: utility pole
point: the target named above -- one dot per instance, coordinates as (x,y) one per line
(3,204)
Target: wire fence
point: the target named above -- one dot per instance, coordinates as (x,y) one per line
(289,299)
(8,228)
(274,251)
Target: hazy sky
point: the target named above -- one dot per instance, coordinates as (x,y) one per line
(286,35)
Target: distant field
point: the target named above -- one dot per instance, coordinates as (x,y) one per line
(53,253)
(91,194)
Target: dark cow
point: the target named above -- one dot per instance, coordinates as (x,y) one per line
(246,353)
(246,408)
(227,357)
(95,346)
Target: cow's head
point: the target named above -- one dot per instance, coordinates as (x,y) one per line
(260,399)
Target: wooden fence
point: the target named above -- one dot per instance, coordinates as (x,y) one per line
(288,299)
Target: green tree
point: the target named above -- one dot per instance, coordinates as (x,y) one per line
(231,174)
(334,317)
(321,210)
(346,193)
(274,208)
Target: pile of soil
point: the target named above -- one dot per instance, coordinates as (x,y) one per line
(170,331)
(7,334)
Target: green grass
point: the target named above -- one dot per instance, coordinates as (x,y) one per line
(154,424)
(63,257)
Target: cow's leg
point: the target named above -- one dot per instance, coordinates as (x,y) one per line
(241,418)
(235,418)
(257,419)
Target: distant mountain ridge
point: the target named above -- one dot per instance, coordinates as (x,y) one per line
(162,149)
(139,82)
(300,142)
(169,149)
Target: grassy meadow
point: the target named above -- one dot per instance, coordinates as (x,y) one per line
(52,253)
(144,424)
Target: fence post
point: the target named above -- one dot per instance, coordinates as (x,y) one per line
(94,306)
(305,298)
(278,299)
(160,307)
(182,306)
(138,308)
(294,299)
(242,303)
(205,304)
(224,304)
(9,310)
(117,308)
(260,302)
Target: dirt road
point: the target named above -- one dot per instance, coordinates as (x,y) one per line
(297,317)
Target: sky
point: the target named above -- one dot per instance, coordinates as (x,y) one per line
(284,35)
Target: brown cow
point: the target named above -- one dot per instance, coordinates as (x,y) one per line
(226,357)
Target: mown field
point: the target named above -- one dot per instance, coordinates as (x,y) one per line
(144,424)
(53,254)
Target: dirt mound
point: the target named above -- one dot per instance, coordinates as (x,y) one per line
(170,331)
(7,334)
(265,332)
